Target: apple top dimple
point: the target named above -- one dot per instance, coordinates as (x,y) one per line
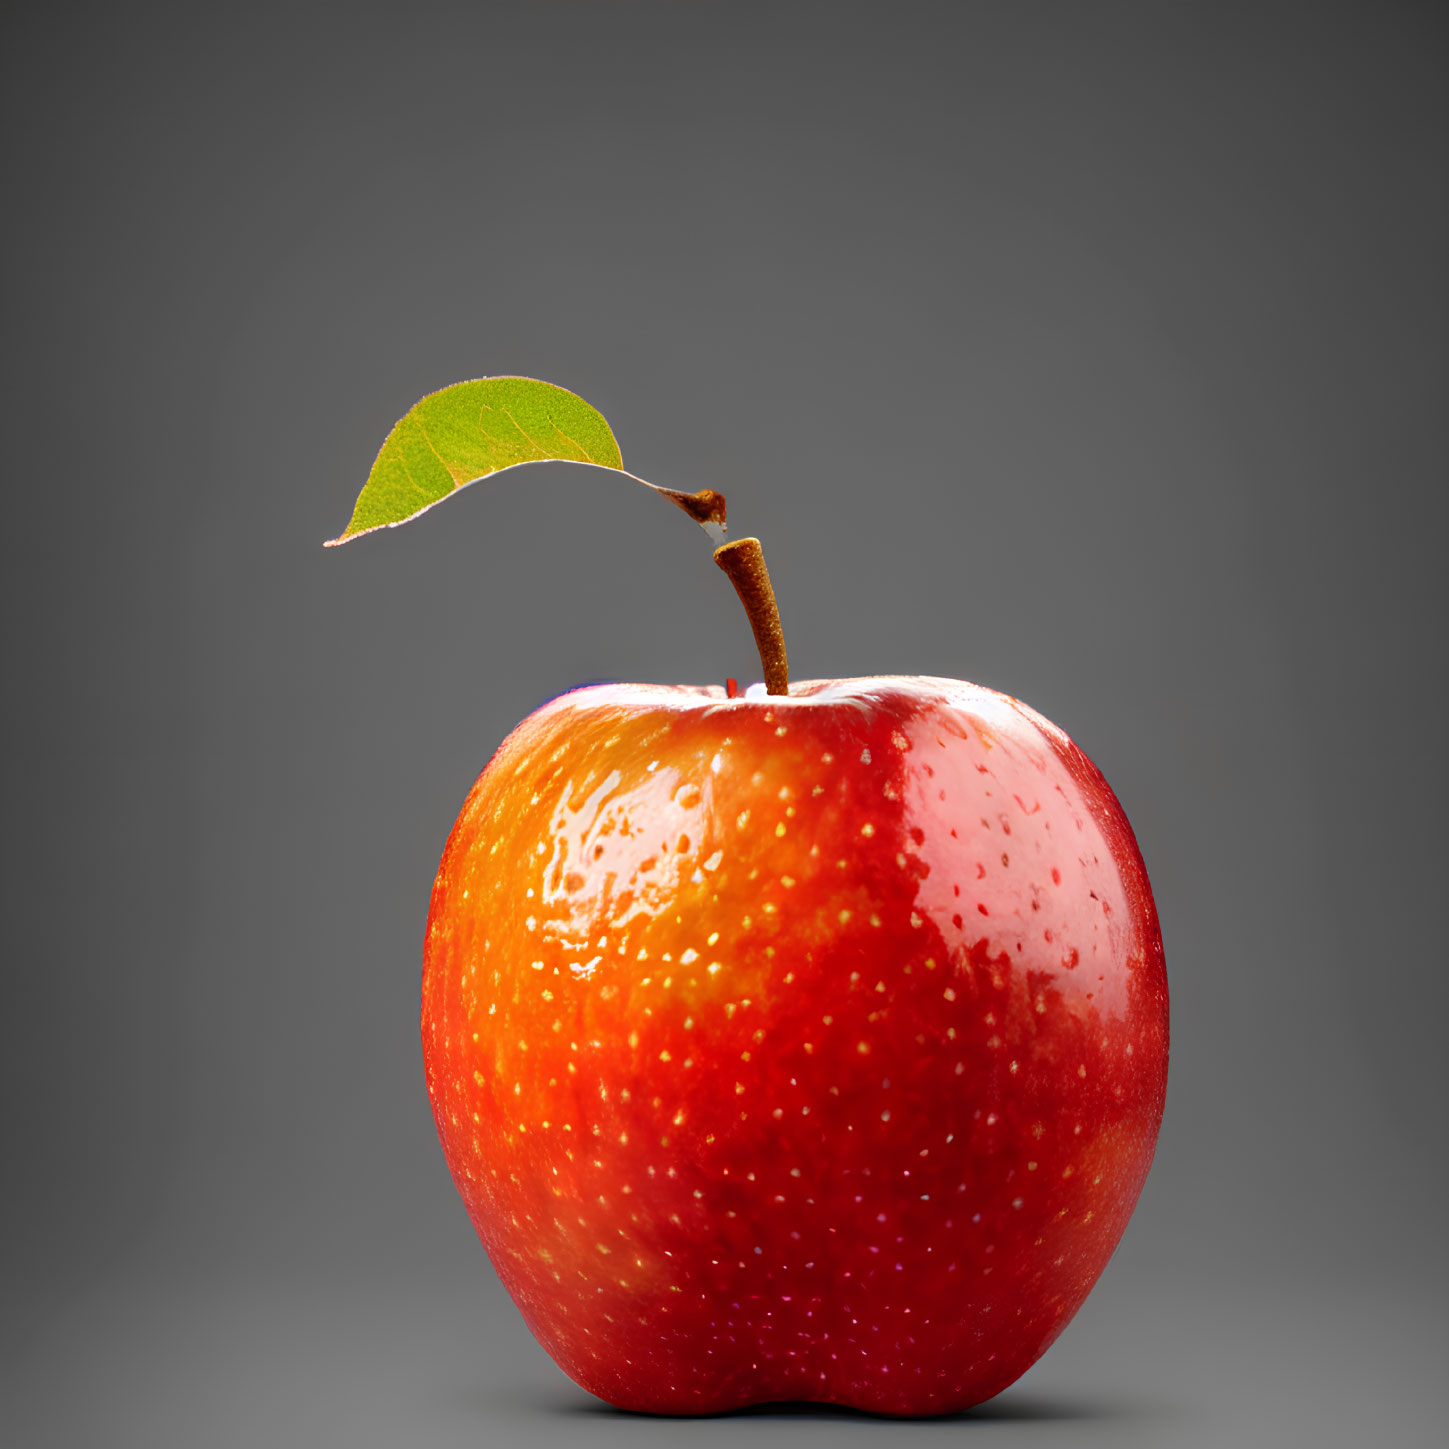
(855,693)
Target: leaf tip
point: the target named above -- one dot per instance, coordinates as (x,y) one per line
(349,533)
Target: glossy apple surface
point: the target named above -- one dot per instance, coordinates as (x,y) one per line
(795,1048)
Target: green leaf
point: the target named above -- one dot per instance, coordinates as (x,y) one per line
(473,429)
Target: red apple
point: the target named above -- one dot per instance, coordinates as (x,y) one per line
(795,1047)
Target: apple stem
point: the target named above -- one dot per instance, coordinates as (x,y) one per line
(744,561)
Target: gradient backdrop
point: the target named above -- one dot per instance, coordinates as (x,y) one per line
(1096,353)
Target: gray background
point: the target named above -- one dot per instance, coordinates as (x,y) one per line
(1096,353)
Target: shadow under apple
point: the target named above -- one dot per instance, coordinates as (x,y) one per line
(1009,1407)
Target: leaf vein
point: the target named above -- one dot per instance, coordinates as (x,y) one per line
(402,462)
(588,456)
(538,448)
(423,433)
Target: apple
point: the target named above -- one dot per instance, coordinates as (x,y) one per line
(795,1046)
(808,1044)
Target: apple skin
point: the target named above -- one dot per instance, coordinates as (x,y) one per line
(802,1048)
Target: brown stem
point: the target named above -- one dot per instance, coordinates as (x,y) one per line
(704,507)
(744,562)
